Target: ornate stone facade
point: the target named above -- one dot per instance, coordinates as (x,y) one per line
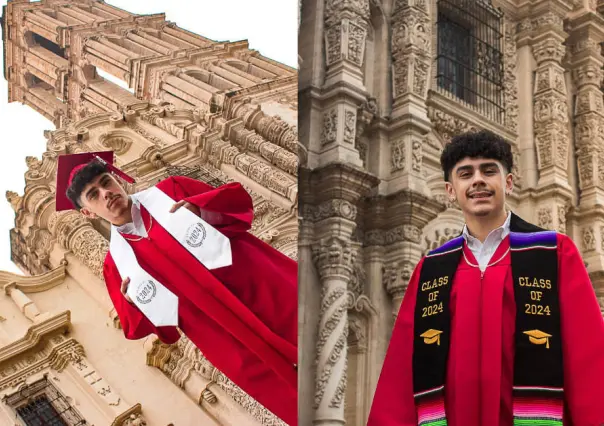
(379,204)
(215,111)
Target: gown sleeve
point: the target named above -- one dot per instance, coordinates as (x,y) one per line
(134,323)
(229,207)
(582,338)
(393,402)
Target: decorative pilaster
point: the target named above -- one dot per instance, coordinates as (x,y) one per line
(346,23)
(589,109)
(411,57)
(586,35)
(550,99)
(334,258)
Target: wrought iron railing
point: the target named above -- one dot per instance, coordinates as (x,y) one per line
(469,59)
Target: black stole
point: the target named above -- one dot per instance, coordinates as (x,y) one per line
(538,375)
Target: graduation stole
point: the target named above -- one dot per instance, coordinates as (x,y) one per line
(211,248)
(538,376)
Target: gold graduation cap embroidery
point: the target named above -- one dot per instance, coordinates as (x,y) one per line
(538,337)
(431,336)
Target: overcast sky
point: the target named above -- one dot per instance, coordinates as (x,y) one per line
(270,26)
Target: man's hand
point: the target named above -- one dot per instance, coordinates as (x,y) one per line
(187,206)
(124,289)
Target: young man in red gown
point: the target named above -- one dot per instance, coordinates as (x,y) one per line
(500,326)
(242,317)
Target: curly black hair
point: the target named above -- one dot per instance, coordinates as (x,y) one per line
(82,178)
(482,144)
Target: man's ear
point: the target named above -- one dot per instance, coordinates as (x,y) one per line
(87,213)
(509,183)
(450,190)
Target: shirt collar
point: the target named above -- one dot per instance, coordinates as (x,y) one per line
(499,233)
(137,226)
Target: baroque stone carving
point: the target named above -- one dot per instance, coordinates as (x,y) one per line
(396,276)
(356,43)
(510,82)
(330,208)
(135,420)
(545,219)
(447,125)
(416,155)
(330,127)
(589,239)
(350,118)
(334,258)
(398,156)
(119,144)
(562,210)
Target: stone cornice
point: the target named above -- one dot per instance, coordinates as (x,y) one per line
(335,181)
(59,323)
(34,284)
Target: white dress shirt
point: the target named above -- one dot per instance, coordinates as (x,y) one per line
(484,251)
(137,226)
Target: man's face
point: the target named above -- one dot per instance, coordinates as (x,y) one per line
(104,197)
(479,185)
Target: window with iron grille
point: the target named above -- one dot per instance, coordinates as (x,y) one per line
(41,404)
(197,172)
(469,54)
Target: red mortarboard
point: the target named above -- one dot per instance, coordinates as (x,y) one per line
(70,165)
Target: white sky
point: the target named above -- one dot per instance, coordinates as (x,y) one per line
(270,26)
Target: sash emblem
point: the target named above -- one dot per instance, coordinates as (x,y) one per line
(196,234)
(538,337)
(431,336)
(146,291)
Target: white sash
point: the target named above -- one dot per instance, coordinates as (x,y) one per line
(202,240)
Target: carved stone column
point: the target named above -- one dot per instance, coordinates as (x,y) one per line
(75,233)
(331,215)
(550,99)
(271,128)
(334,258)
(248,140)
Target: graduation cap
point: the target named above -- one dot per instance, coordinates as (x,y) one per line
(69,165)
(538,337)
(431,336)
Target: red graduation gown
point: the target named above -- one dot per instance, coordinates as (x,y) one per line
(479,379)
(242,317)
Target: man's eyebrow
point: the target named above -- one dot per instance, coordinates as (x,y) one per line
(464,168)
(469,167)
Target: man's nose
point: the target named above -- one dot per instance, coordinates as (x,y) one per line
(478,178)
(106,194)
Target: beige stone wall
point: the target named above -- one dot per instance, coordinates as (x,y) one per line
(373,122)
(215,111)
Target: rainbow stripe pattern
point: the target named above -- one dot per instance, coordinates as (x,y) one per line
(538,406)
(431,407)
